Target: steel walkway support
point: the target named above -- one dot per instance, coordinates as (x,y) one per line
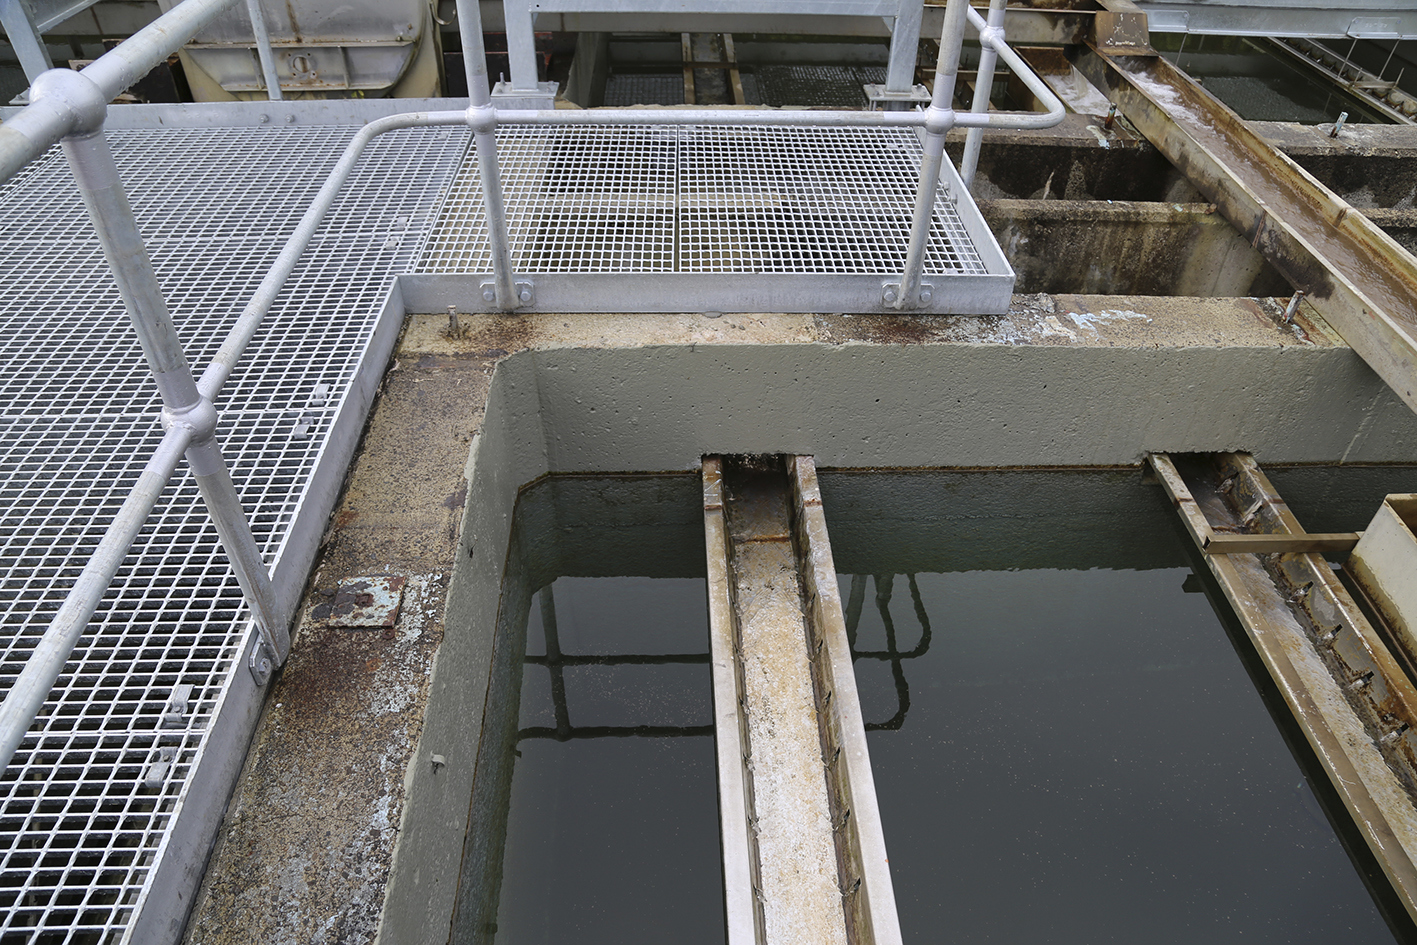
(1350,696)
(804,856)
(1361,281)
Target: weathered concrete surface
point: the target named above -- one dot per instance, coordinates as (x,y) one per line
(342,831)
(795,837)
(304,852)
(1127,248)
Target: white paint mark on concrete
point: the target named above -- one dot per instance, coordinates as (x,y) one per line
(1051,326)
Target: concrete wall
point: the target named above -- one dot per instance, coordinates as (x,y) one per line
(1065,381)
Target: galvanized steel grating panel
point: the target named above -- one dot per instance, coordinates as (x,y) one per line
(639,88)
(84,805)
(833,86)
(640,199)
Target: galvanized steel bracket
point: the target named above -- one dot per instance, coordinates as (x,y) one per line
(890,296)
(526,293)
(262,662)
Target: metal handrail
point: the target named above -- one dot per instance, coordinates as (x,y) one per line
(70,108)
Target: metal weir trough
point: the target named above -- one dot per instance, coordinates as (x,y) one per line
(804,856)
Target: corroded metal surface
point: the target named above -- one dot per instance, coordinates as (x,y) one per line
(371,602)
(1351,698)
(1363,282)
(742,905)
(861,844)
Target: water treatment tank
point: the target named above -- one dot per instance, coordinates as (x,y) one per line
(323,49)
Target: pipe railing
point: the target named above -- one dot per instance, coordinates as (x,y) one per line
(70,107)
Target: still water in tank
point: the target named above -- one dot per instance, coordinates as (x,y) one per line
(595,814)
(1067,744)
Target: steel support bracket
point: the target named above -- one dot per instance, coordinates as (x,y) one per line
(890,296)
(877,94)
(526,292)
(262,662)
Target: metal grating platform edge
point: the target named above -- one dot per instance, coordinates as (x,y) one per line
(651,219)
(107,810)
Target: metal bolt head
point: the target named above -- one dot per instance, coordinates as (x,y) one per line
(889,295)
(290,119)
(489,294)
(265,119)
(524,295)
(925,295)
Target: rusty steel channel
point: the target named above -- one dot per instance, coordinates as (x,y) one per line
(1344,687)
(804,856)
(1361,281)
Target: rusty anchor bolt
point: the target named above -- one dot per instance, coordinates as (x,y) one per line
(1338,125)
(1111,117)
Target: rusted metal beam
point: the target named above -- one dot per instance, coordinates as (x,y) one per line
(1361,281)
(1280,544)
(1348,693)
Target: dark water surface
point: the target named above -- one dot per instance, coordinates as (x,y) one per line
(1084,759)
(1073,752)
(612,837)
(1067,745)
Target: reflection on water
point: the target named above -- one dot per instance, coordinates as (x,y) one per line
(1065,745)
(613,828)
(594,815)
(1084,759)
(1071,752)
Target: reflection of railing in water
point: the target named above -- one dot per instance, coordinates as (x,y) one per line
(555,661)
(885,585)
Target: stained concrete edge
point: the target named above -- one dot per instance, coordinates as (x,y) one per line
(1061,380)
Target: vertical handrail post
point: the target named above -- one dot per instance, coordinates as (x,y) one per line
(983,87)
(263,49)
(939,119)
(482,119)
(96,174)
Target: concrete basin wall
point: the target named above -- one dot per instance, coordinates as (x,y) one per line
(1061,381)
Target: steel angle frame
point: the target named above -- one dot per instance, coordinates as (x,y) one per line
(1359,278)
(667,292)
(1374,21)
(1349,695)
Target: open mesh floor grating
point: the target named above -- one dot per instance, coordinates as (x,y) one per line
(641,199)
(86,800)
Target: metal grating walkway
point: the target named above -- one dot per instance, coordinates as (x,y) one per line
(702,200)
(85,804)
